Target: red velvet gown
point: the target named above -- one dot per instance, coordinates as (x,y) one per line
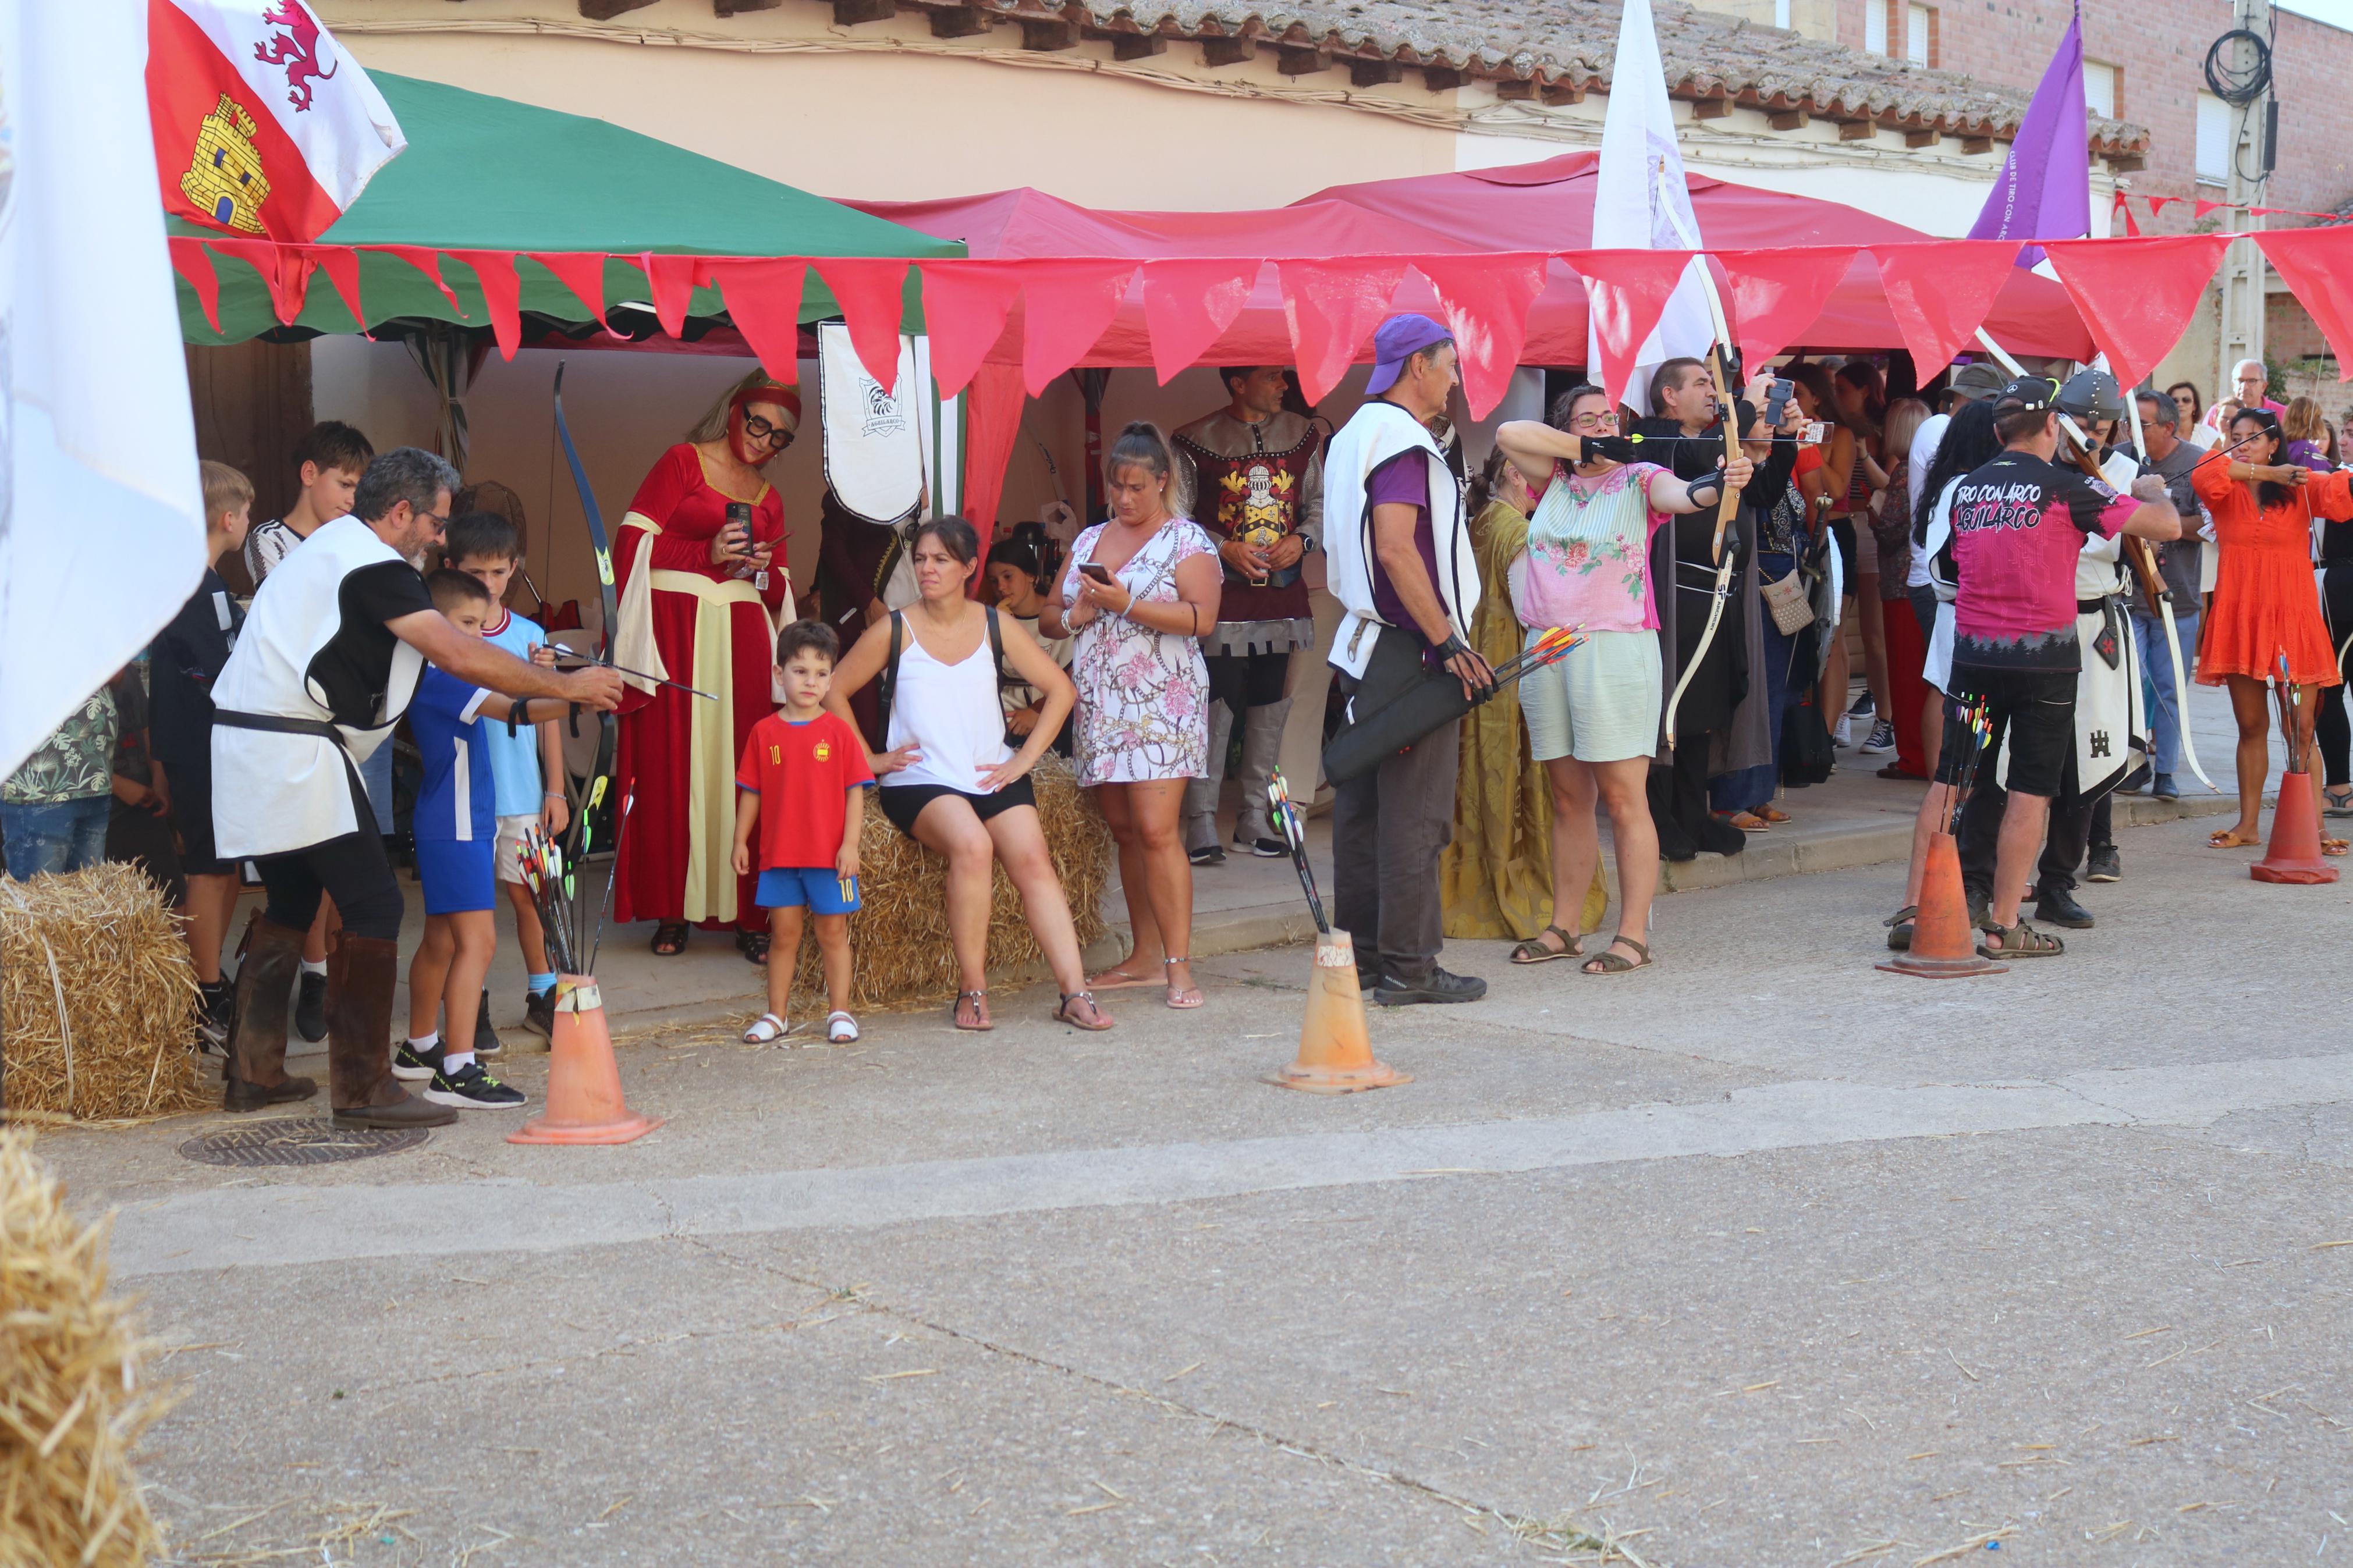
(712,632)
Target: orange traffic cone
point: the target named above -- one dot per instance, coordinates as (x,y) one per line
(1336,1055)
(2293,855)
(1943,942)
(584,1084)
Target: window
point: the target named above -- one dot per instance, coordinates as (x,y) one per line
(1874,26)
(2213,139)
(1780,13)
(2102,82)
(1919,31)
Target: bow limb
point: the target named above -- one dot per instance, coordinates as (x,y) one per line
(2144,560)
(1727,500)
(607,728)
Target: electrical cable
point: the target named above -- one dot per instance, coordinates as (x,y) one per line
(2235,86)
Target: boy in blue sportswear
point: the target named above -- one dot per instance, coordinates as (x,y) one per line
(526,762)
(457,837)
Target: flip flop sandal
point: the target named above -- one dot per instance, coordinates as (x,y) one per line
(1533,950)
(2340,802)
(2021,941)
(767,1030)
(2228,838)
(1773,813)
(1747,821)
(752,944)
(1112,980)
(1063,1014)
(840,1028)
(980,1024)
(1182,999)
(1899,928)
(670,939)
(1613,962)
(2332,846)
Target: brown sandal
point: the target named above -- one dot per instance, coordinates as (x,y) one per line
(670,939)
(1615,962)
(979,1000)
(1533,950)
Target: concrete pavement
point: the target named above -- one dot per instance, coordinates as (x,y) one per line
(1760,1257)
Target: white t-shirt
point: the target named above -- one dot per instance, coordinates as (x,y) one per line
(1925,442)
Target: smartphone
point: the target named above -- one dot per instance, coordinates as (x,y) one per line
(1776,401)
(1815,432)
(1096,570)
(739,517)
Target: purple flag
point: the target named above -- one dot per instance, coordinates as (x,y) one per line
(2045,188)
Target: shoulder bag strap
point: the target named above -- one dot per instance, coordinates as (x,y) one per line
(890,676)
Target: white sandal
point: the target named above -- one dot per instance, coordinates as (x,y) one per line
(840,1028)
(767,1030)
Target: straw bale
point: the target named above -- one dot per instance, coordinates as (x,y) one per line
(71,1400)
(899,939)
(97,998)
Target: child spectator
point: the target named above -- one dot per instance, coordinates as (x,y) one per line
(186,657)
(457,834)
(807,769)
(327,462)
(526,762)
(53,808)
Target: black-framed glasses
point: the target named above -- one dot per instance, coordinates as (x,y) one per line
(758,429)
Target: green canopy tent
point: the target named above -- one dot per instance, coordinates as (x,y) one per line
(498,209)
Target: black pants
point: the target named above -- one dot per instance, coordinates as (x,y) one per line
(1389,827)
(2064,843)
(1242,680)
(352,869)
(2328,725)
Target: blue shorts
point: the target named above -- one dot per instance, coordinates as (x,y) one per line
(791,887)
(457,875)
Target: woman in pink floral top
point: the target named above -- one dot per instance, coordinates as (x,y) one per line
(1593,717)
(1142,726)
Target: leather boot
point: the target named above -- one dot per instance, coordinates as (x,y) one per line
(1261,754)
(255,1072)
(361,972)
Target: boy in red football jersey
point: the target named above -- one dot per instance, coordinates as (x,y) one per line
(803,782)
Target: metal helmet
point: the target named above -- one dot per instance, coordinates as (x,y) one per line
(2091,394)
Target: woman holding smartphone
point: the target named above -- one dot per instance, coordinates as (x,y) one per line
(699,560)
(1139,593)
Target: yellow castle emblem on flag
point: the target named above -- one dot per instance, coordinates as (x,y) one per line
(225,179)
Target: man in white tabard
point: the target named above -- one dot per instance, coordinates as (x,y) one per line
(1401,563)
(329,658)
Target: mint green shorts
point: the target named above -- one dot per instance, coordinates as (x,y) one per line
(1600,704)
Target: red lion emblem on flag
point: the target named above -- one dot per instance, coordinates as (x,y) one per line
(296,48)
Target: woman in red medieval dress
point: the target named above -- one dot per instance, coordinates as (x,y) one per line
(701,595)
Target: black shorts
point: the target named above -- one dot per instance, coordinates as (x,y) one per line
(192,814)
(904,802)
(2036,707)
(1843,535)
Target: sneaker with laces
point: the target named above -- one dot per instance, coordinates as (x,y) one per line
(1844,736)
(412,1066)
(1208,855)
(1864,706)
(539,1014)
(1264,848)
(1437,985)
(2106,865)
(471,1088)
(1882,739)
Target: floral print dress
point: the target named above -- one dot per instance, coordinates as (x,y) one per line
(1143,695)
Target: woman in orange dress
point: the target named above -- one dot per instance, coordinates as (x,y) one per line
(702,593)
(2265,608)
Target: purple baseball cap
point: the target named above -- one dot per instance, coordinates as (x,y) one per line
(1399,339)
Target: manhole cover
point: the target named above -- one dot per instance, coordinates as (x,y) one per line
(298,1141)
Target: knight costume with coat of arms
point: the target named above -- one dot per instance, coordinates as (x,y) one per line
(1257,482)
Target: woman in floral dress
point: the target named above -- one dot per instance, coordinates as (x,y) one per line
(1138,594)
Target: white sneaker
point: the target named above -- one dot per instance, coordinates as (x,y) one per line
(1882,739)
(1844,736)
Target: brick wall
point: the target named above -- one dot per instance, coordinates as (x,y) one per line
(2161,46)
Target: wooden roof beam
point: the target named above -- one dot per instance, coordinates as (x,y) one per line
(960,21)
(605,10)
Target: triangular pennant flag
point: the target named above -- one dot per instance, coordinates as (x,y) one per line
(872,295)
(992,424)
(1625,291)
(1333,308)
(427,260)
(2159,203)
(1485,301)
(2205,207)
(1188,303)
(965,306)
(1777,294)
(2125,209)
(2137,298)
(1065,306)
(2317,264)
(341,263)
(502,295)
(284,269)
(189,260)
(763,301)
(583,272)
(1940,292)
(671,279)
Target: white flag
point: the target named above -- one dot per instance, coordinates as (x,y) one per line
(101,517)
(1639,200)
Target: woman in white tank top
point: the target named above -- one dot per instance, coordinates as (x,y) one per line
(949,781)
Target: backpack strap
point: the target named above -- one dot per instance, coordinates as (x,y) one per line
(890,676)
(997,649)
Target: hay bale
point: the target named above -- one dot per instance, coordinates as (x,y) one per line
(899,940)
(71,1402)
(98,999)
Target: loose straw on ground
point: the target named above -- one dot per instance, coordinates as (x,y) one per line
(98,999)
(72,1403)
